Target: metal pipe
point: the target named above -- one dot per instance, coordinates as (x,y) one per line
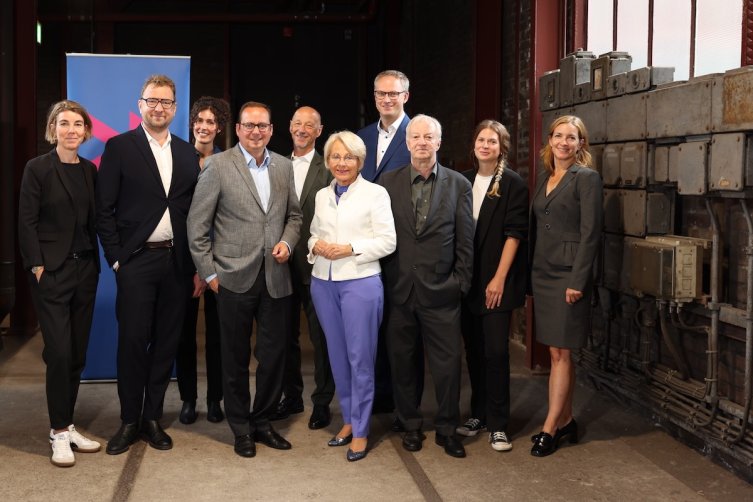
(748,323)
(674,350)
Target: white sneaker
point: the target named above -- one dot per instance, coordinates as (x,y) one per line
(499,441)
(471,427)
(80,443)
(62,456)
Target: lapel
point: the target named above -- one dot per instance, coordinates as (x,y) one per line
(142,145)
(397,142)
(440,185)
(316,170)
(405,198)
(488,208)
(239,162)
(568,178)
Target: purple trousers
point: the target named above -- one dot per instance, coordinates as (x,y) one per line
(350,313)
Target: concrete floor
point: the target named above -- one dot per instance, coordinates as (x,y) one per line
(620,456)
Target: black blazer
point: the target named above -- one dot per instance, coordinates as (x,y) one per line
(500,218)
(47,213)
(131,198)
(437,261)
(317,178)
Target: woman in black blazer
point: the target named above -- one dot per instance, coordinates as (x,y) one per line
(500,212)
(59,248)
(566,221)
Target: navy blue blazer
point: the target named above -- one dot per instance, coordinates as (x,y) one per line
(131,198)
(396,156)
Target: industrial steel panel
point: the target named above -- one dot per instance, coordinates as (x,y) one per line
(612,261)
(616,84)
(633,164)
(673,163)
(652,268)
(749,162)
(626,117)
(607,64)
(727,162)
(633,212)
(575,68)
(687,277)
(582,93)
(547,117)
(659,213)
(679,110)
(610,171)
(681,240)
(692,160)
(658,172)
(612,211)
(732,106)
(597,154)
(549,90)
(643,79)
(594,115)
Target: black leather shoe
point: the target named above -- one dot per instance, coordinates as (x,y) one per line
(452,445)
(155,436)
(412,440)
(123,439)
(336,441)
(287,407)
(244,446)
(188,412)
(320,417)
(544,445)
(397,425)
(570,431)
(214,412)
(355,456)
(272,439)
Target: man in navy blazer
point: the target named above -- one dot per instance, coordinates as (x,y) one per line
(385,138)
(144,189)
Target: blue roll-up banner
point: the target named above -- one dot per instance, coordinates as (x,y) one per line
(109,87)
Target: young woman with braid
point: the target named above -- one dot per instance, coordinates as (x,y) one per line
(500,212)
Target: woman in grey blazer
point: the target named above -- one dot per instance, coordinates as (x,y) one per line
(566,223)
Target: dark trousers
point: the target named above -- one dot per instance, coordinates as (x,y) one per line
(64,301)
(185,362)
(293,380)
(439,328)
(152,297)
(237,313)
(487,352)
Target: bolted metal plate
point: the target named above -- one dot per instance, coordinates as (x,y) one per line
(616,84)
(643,79)
(673,163)
(658,171)
(582,93)
(634,212)
(679,110)
(597,154)
(692,160)
(605,65)
(594,115)
(633,164)
(611,165)
(659,213)
(732,106)
(727,162)
(549,90)
(626,117)
(575,68)
(612,211)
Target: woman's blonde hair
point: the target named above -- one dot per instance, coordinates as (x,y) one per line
(582,156)
(66,106)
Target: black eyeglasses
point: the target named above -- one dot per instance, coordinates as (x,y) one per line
(249,126)
(390,94)
(153,102)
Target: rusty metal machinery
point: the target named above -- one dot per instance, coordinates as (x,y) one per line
(669,152)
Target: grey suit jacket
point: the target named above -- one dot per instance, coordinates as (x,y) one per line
(317,178)
(573,222)
(226,199)
(438,260)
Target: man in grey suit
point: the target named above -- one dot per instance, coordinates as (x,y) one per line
(246,195)
(425,279)
(310,176)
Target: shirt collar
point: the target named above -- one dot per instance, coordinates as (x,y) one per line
(251,161)
(415,174)
(151,138)
(393,127)
(308,157)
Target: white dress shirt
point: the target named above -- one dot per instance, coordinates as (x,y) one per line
(384,137)
(163,155)
(300,170)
